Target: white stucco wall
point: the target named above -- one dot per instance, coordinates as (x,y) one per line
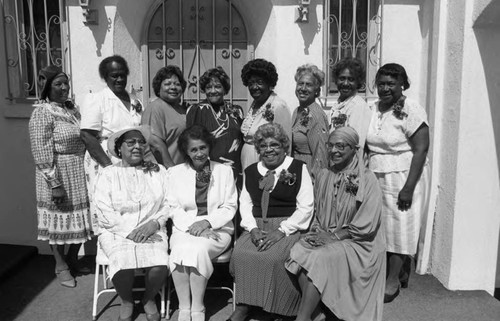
(405,41)
(467,221)
(89,45)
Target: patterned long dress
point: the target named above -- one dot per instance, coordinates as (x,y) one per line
(226,128)
(58,152)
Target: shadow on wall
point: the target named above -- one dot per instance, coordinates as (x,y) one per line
(487,31)
(102,27)
(309,29)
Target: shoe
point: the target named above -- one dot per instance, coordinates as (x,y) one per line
(388,298)
(153,317)
(79,269)
(240,313)
(184,315)
(126,319)
(198,316)
(65,278)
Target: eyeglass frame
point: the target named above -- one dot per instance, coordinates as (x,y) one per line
(134,141)
(338,146)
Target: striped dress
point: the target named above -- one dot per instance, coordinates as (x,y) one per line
(390,160)
(260,277)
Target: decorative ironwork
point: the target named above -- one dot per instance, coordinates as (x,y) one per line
(34,39)
(199,35)
(353,29)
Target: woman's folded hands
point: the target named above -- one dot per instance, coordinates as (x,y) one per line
(263,240)
(146,233)
(319,237)
(203,229)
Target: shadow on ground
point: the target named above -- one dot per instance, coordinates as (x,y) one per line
(33,293)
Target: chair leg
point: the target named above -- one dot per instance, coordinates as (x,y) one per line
(234,296)
(162,301)
(96,291)
(169,293)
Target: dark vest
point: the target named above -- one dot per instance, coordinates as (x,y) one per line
(283,198)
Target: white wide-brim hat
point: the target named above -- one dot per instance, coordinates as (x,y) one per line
(144,130)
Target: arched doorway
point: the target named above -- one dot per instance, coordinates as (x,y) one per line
(197,35)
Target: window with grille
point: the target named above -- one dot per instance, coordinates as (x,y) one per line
(353,29)
(34,35)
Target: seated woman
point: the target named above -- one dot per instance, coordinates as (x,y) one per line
(203,200)
(132,210)
(341,261)
(276,203)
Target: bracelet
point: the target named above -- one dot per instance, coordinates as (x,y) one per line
(336,236)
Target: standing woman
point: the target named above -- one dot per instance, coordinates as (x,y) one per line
(260,77)
(167,115)
(62,202)
(221,118)
(203,200)
(398,141)
(350,109)
(104,113)
(310,125)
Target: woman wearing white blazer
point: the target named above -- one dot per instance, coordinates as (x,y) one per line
(203,200)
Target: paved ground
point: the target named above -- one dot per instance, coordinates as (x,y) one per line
(33,293)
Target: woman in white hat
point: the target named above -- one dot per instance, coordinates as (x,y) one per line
(132,210)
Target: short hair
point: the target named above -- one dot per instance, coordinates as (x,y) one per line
(354,65)
(313,70)
(217,73)
(104,65)
(167,72)
(394,70)
(195,132)
(271,130)
(262,68)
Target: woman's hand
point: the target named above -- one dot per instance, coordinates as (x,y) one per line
(58,194)
(142,233)
(270,239)
(319,238)
(256,236)
(210,234)
(405,199)
(198,227)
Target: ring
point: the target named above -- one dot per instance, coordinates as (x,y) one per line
(261,240)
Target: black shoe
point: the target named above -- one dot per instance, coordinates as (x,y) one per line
(390,297)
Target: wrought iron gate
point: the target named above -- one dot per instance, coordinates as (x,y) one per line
(197,35)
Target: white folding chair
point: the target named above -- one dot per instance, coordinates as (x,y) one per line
(101,263)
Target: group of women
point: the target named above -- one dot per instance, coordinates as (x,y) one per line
(325,202)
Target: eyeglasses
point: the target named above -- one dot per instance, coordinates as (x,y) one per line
(338,146)
(273,146)
(132,142)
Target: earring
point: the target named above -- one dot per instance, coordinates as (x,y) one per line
(119,154)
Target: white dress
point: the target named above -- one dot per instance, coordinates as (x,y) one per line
(126,198)
(390,159)
(105,113)
(192,251)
